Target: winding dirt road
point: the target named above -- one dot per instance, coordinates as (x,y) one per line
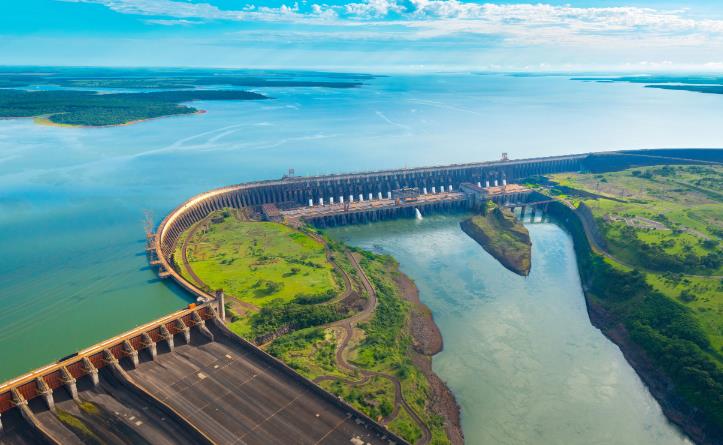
(347,325)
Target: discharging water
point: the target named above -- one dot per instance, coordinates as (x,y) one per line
(520,354)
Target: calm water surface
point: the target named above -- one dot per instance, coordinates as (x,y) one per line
(73,270)
(526,365)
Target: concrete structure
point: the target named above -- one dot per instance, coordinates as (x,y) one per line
(213,388)
(294,191)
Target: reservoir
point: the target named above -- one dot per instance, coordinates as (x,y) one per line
(520,354)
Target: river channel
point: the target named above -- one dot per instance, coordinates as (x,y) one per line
(520,354)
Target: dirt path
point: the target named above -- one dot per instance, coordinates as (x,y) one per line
(348,329)
(347,326)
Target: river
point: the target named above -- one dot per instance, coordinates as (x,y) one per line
(520,354)
(72,200)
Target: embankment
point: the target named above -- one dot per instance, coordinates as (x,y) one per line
(687,417)
(427,341)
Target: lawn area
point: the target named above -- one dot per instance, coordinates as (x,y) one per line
(258,262)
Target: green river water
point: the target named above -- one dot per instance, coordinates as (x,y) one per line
(520,354)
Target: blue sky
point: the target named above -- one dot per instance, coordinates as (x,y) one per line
(368,35)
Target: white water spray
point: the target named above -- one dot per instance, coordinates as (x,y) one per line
(418,214)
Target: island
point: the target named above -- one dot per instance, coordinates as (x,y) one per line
(120,97)
(345,318)
(91,109)
(502,236)
(697,84)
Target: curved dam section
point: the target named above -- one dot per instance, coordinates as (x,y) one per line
(294,192)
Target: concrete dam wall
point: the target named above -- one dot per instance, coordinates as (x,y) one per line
(290,192)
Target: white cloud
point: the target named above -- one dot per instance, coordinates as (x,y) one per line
(517,24)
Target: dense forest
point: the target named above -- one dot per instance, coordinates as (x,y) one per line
(92,109)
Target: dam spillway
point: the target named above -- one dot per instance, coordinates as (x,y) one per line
(27,403)
(183,379)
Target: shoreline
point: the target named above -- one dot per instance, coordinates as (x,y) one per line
(676,411)
(45,121)
(427,342)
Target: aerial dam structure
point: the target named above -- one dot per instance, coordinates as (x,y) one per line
(185,378)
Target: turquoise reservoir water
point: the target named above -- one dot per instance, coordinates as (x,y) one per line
(72,202)
(520,354)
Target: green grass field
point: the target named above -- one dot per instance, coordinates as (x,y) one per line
(663,220)
(259,262)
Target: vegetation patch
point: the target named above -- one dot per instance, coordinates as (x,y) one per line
(660,280)
(89,108)
(503,237)
(78,427)
(259,263)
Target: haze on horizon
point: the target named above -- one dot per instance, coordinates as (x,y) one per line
(368,35)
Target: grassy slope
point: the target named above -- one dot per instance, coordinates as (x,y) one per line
(691,215)
(681,336)
(258,262)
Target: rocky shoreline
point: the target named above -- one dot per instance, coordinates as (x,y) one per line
(503,237)
(427,341)
(675,410)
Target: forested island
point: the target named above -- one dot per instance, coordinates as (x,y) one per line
(61,96)
(698,84)
(88,108)
(648,242)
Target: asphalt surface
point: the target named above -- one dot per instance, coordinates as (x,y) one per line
(109,414)
(236,397)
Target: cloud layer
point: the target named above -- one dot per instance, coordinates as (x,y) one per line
(424,19)
(465,33)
